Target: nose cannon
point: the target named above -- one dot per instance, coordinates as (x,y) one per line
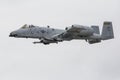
(12,34)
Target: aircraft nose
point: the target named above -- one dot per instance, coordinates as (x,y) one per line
(12,34)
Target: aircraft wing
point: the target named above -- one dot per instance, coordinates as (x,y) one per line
(69,34)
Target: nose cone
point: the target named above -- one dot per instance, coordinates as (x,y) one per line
(13,34)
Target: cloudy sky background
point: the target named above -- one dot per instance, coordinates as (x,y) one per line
(73,60)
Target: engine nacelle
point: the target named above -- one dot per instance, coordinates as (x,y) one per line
(83,30)
(86,32)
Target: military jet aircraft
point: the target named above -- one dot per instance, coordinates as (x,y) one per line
(48,35)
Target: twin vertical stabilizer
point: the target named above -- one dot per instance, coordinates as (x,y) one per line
(107,31)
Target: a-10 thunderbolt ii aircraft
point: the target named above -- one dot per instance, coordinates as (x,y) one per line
(48,35)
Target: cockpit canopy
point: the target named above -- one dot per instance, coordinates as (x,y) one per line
(27,26)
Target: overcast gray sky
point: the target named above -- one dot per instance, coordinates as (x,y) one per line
(73,60)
